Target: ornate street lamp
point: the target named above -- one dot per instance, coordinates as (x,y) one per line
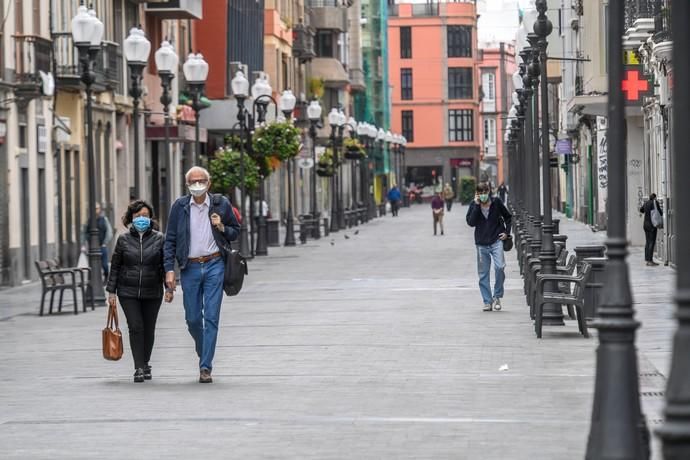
(352,126)
(286,104)
(137,49)
(314,115)
(334,123)
(195,71)
(87,34)
(166,63)
(675,432)
(240,90)
(371,202)
(363,134)
(262,95)
(342,121)
(547,255)
(618,428)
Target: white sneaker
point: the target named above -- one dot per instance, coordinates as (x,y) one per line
(497,304)
(487,307)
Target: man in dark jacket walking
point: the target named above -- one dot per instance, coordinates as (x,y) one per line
(652,221)
(200,228)
(491,221)
(394,199)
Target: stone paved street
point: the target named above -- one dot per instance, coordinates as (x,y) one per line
(369,347)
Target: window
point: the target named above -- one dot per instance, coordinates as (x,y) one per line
(459,83)
(408,125)
(324,44)
(405,42)
(460,125)
(489,86)
(459,41)
(405,84)
(489,131)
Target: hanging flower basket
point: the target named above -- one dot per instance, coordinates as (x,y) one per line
(354,150)
(324,172)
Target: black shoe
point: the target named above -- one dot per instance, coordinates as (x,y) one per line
(205,376)
(139,375)
(147,372)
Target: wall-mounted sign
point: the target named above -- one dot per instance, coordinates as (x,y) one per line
(635,85)
(564,147)
(461,162)
(3,131)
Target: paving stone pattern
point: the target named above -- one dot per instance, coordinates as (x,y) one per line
(372,347)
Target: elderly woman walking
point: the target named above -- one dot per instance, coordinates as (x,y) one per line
(137,279)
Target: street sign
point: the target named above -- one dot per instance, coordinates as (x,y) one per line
(305,163)
(564,147)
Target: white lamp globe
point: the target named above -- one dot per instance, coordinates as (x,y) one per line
(333,117)
(82,26)
(166,58)
(137,47)
(287,101)
(261,88)
(240,85)
(314,110)
(96,37)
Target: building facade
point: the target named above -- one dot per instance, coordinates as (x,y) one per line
(435,95)
(496,69)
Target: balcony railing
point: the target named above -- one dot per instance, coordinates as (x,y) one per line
(108,65)
(636,9)
(303,42)
(32,53)
(662,25)
(328,3)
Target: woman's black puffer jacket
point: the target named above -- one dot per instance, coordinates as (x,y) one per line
(136,268)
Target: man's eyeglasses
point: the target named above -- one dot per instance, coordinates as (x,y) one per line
(200,182)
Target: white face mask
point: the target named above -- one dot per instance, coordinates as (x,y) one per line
(197,189)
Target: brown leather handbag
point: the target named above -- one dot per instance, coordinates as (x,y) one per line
(112,337)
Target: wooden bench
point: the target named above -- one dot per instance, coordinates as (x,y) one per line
(58,280)
(574,297)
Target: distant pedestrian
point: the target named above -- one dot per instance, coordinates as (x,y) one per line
(394,197)
(105,235)
(437,211)
(200,228)
(491,221)
(448,196)
(502,192)
(653,220)
(136,279)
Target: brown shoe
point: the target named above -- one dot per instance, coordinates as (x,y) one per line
(205,376)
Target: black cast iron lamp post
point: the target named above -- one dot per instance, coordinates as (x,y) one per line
(618,429)
(314,115)
(342,122)
(286,104)
(87,33)
(334,123)
(137,49)
(166,63)
(362,134)
(388,138)
(240,90)
(352,126)
(371,206)
(261,92)
(195,71)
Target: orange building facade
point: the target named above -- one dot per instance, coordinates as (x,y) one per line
(496,68)
(433,64)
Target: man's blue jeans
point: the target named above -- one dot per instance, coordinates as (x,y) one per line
(202,294)
(484,256)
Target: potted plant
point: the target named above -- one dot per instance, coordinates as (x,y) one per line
(325,166)
(225,169)
(280,139)
(354,150)
(468,187)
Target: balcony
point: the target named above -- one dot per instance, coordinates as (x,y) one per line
(328,14)
(662,25)
(175,9)
(32,54)
(640,21)
(303,43)
(108,66)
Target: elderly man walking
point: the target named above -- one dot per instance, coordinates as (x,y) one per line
(200,227)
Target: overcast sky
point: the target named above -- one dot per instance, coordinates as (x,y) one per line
(498,20)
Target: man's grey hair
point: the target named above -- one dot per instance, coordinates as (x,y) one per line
(197,169)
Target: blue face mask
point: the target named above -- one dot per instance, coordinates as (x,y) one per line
(141,223)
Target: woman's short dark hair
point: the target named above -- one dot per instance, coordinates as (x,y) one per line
(133,208)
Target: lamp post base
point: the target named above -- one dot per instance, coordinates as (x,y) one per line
(290,230)
(262,237)
(244,242)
